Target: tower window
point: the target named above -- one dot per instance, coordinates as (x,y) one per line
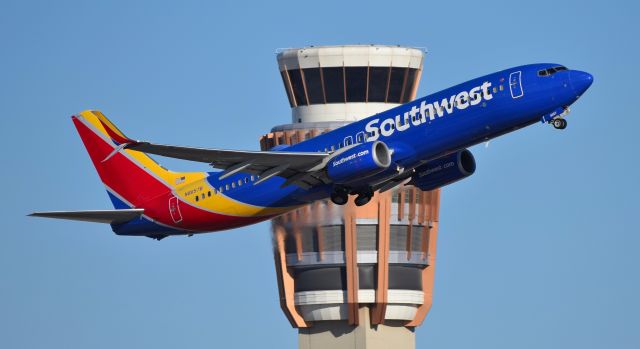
(334,84)
(298,88)
(378,79)
(287,87)
(396,84)
(313,85)
(408,85)
(356,79)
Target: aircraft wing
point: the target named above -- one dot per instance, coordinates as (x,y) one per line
(96,216)
(300,168)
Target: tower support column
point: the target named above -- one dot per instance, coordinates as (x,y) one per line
(352,276)
(341,335)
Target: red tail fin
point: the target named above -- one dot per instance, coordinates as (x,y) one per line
(131,177)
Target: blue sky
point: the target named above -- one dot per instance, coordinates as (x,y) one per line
(537,249)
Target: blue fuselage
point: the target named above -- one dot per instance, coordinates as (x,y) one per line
(436,125)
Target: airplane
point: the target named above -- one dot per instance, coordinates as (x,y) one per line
(422,143)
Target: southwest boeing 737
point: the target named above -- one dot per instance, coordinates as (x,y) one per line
(422,143)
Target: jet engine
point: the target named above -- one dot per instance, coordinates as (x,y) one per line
(361,161)
(445,170)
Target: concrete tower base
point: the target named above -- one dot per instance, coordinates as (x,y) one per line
(341,335)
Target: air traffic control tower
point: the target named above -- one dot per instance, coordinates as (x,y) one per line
(348,276)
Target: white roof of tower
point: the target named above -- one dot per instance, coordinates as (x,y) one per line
(350,56)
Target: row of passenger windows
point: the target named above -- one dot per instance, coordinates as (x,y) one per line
(226,187)
(349,84)
(551,71)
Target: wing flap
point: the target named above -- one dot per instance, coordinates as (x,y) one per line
(95,216)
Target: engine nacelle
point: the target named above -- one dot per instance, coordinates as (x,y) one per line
(359,162)
(445,170)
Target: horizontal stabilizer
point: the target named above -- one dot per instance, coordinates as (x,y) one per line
(96,216)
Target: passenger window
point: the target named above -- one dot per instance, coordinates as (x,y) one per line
(202,196)
(252,178)
(501,87)
(495,90)
(209,193)
(197,198)
(239,182)
(246,180)
(226,187)
(233,184)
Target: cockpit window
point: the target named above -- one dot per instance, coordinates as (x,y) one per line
(551,71)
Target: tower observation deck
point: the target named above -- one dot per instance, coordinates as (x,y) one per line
(349,274)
